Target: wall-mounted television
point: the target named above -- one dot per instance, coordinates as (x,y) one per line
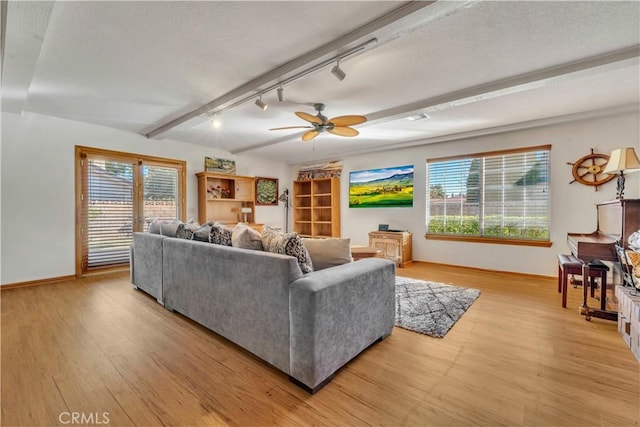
(381,188)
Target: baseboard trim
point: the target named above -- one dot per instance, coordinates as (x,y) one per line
(37,282)
(50,280)
(485,270)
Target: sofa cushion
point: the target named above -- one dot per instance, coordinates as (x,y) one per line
(220,234)
(246,237)
(327,253)
(287,244)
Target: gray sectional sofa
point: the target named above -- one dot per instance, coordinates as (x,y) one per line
(306,325)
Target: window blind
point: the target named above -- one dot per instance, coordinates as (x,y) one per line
(110,212)
(160,200)
(498,195)
(118,194)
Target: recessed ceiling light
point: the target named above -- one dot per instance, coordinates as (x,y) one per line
(418,117)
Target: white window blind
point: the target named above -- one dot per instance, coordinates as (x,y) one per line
(118,194)
(160,194)
(498,195)
(110,212)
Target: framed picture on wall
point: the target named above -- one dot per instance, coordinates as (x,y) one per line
(211,164)
(267,191)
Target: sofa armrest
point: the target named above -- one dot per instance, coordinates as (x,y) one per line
(338,312)
(146,267)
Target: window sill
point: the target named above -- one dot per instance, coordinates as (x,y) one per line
(492,240)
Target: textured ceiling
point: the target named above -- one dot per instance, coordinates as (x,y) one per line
(471,66)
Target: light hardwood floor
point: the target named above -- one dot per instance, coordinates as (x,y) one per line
(515,358)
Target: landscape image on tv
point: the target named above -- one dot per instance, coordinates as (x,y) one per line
(381,188)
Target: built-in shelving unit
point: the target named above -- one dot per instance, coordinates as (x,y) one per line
(221,197)
(316,207)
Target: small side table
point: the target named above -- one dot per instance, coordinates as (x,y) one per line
(361,252)
(395,245)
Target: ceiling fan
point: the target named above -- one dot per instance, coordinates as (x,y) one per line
(319,123)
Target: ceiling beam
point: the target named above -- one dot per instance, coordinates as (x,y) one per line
(25,32)
(516,84)
(494,89)
(496,130)
(297,64)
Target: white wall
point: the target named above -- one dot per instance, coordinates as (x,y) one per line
(38,211)
(572,205)
(37,182)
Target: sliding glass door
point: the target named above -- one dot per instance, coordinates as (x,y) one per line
(117,194)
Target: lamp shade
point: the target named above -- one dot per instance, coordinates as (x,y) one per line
(245,210)
(621,160)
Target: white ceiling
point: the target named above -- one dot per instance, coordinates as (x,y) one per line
(473,67)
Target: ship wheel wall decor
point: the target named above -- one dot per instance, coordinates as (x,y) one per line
(588,170)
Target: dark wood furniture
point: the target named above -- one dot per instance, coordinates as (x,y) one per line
(616,220)
(567,265)
(570,265)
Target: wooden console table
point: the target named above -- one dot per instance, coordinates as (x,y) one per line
(362,252)
(395,245)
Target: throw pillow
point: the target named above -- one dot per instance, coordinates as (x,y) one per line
(154,227)
(165,228)
(246,237)
(327,253)
(202,233)
(186,231)
(169,229)
(287,244)
(220,234)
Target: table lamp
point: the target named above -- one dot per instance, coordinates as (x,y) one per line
(245,212)
(621,160)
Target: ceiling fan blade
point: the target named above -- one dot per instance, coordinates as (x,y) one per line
(348,120)
(344,131)
(292,127)
(309,117)
(309,135)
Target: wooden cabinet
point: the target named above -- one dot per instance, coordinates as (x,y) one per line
(316,207)
(395,245)
(221,198)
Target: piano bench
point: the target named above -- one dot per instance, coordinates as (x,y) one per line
(567,264)
(598,270)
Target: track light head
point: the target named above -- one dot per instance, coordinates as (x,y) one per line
(261,104)
(337,71)
(280,92)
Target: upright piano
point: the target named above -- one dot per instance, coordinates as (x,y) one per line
(617,219)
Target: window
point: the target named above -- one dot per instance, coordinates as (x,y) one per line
(498,197)
(117,194)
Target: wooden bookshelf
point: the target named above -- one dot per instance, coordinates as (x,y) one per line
(316,207)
